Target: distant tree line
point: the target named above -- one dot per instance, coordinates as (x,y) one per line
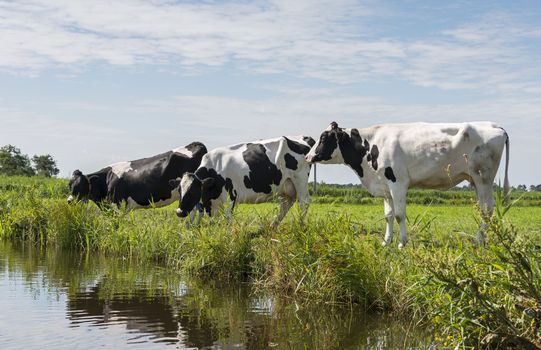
(466,187)
(13,162)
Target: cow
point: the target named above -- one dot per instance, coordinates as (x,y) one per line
(140,183)
(253,172)
(391,158)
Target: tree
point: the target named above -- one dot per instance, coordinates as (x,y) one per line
(535,188)
(522,188)
(13,162)
(45,165)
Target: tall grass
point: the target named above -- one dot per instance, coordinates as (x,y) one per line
(471,295)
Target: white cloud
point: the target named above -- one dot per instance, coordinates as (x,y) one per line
(326,39)
(496,54)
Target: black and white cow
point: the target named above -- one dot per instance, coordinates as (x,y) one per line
(252,172)
(391,158)
(139,183)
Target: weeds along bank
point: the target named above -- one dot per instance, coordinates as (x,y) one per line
(471,295)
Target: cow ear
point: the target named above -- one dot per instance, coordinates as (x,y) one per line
(77,173)
(334,125)
(174,183)
(208,182)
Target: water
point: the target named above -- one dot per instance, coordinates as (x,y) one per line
(59,300)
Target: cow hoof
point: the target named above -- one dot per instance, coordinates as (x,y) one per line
(401,245)
(384,243)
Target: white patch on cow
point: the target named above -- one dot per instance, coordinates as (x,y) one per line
(185,184)
(183,150)
(312,152)
(120,168)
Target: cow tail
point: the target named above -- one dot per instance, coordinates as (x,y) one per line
(506,178)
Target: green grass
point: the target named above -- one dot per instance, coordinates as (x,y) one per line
(472,295)
(351,194)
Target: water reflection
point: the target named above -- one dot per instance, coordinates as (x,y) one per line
(116,303)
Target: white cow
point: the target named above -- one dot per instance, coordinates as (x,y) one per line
(391,158)
(252,172)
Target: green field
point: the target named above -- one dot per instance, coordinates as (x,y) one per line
(470,295)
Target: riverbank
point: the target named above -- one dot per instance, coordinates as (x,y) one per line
(469,294)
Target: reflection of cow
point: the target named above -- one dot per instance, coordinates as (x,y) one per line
(249,173)
(146,314)
(389,159)
(138,183)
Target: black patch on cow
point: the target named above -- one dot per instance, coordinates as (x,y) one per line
(197,148)
(353,149)
(310,141)
(373,156)
(297,147)
(291,162)
(389,174)
(149,182)
(232,192)
(210,189)
(327,145)
(100,188)
(230,189)
(263,173)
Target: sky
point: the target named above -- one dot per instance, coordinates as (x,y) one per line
(96,82)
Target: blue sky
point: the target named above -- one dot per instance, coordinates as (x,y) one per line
(95,82)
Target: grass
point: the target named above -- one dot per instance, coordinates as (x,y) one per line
(472,296)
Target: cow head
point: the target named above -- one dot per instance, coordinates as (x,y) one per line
(326,149)
(79,187)
(192,191)
(85,187)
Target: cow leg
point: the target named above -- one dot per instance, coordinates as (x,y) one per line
(195,212)
(303,196)
(229,211)
(483,166)
(285,204)
(399,193)
(486,206)
(389,217)
(287,199)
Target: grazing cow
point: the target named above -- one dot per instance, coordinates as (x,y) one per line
(389,159)
(249,173)
(139,183)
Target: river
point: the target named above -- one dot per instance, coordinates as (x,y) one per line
(63,300)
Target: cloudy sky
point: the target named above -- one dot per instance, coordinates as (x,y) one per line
(95,82)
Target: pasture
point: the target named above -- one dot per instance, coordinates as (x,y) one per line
(469,295)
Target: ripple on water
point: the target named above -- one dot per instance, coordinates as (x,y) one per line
(52,300)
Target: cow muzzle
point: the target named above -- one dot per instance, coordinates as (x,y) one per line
(309,158)
(181,214)
(70,199)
